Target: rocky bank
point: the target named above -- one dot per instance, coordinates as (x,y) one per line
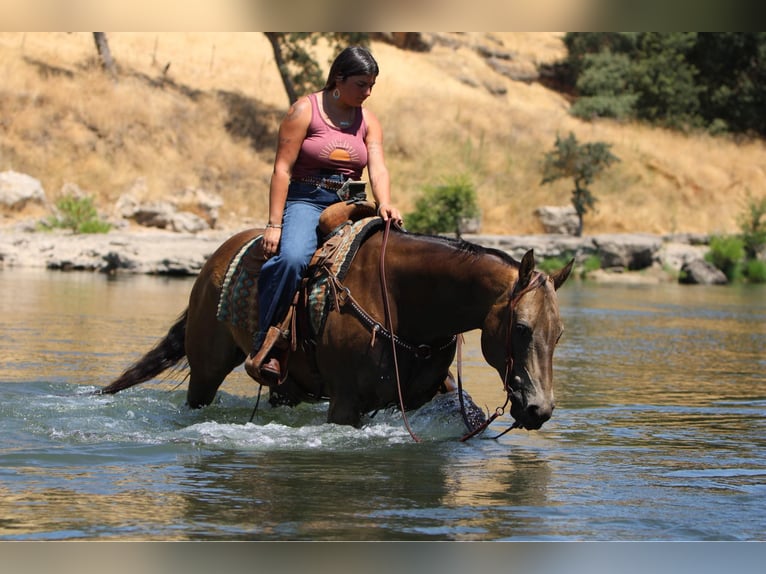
(622,257)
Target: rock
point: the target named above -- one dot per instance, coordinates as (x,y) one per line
(200,202)
(144,252)
(675,255)
(193,211)
(18,189)
(558,219)
(700,272)
(633,251)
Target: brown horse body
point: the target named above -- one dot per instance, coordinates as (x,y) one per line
(436,288)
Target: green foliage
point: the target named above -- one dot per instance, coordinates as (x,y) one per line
(752,224)
(738,255)
(755,271)
(716,80)
(441,208)
(605,87)
(295,59)
(726,253)
(665,79)
(591,263)
(551,264)
(78,214)
(583,163)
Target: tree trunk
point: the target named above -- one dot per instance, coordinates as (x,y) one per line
(282,66)
(102,45)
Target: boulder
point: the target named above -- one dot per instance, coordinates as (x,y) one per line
(632,251)
(700,272)
(558,219)
(18,189)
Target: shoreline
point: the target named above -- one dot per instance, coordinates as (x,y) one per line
(627,257)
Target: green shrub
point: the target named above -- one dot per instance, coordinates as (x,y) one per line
(551,264)
(441,208)
(726,253)
(592,263)
(755,271)
(77,213)
(752,224)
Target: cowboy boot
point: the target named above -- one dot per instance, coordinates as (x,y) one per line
(264,365)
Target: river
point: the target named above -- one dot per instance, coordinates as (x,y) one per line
(659,431)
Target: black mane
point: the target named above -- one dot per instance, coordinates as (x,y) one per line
(467,247)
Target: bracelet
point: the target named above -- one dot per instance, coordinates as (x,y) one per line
(274,225)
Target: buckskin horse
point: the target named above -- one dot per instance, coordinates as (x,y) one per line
(390,335)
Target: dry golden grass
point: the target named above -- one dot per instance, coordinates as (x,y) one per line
(201,110)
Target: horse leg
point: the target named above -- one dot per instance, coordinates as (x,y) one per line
(212,354)
(343,411)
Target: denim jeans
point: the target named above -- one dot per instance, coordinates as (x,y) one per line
(281,274)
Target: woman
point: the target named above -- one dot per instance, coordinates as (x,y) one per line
(325,139)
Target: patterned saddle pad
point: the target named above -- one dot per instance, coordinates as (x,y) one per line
(238,301)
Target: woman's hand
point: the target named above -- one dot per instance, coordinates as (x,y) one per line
(270,241)
(388,211)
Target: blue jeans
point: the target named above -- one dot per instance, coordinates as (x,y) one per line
(282,273)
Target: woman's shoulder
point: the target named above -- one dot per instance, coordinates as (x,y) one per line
(300,110)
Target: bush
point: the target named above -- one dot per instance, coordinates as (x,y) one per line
(752,224)
(552,264)
(604,87)
(442,208)
(77,213)
(726,253)
(755,271)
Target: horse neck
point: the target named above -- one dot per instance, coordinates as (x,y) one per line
(446,286)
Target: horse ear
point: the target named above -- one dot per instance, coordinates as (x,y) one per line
(561,275)
(526,268)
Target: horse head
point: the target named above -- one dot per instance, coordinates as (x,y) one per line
(519,337)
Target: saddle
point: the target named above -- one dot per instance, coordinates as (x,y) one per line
(344,227)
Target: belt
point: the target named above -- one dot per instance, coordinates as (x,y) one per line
(331,184)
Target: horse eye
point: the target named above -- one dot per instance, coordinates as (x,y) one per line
(523,330)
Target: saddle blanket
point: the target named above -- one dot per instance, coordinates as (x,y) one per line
(238,301)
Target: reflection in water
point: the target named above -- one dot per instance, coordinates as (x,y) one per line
(659,431)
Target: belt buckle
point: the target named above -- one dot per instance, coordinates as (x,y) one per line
(352,190)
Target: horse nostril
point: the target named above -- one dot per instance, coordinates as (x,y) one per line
(539,412)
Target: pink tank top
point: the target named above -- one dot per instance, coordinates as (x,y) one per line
(327,149)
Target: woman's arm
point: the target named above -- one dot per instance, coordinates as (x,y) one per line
(292,131)
(376,167)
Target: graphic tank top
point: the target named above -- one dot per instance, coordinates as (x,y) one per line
(327,149)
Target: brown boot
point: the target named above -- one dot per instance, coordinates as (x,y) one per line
(267,366)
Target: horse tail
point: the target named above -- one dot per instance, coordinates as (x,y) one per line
(165,354)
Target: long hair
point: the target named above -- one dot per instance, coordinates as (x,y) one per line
(352,61)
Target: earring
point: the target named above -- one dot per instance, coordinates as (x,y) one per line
(336,93)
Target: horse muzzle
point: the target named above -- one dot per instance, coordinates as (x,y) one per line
(530,412)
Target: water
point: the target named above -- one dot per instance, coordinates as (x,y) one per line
(659,433)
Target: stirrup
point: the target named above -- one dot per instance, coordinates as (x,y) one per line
(276,342)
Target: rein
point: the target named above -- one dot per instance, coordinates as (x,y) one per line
(390,325)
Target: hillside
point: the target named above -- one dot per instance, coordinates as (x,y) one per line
(197,110)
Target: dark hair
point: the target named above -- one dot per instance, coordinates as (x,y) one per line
(352,61)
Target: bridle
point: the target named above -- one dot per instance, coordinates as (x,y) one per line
(517,292)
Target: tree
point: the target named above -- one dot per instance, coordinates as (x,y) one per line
(293,54)
(104,53)
(716,80)
(583,163)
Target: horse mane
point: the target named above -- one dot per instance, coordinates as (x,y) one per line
(466,247)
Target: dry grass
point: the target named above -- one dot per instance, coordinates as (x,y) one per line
(201,110)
